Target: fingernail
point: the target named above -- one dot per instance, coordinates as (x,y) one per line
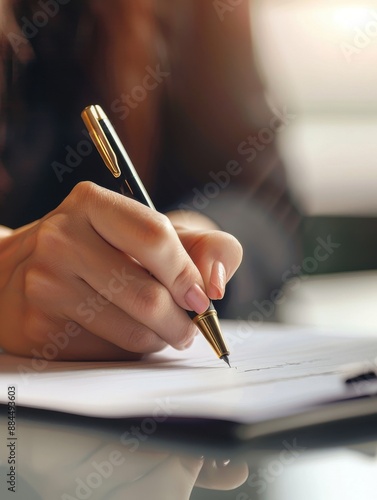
(218,278)
(196,299)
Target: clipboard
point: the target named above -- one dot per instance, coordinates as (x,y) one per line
(286,383)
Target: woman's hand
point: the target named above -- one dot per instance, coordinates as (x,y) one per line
(216,254)
(99,276)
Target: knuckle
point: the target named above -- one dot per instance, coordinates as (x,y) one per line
(34,285)
(143,340)
(84,190)
(85,196)
(47,248)
(151,300)
(157,231)
(40,272)
(48,237)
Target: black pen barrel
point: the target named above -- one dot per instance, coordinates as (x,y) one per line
(130,181)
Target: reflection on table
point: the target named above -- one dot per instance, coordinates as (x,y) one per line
(55,460)
(61,460)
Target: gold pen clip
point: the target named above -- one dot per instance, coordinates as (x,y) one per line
(91,117)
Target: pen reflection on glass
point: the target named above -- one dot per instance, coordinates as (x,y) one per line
(118,162)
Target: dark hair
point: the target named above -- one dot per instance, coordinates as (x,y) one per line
(96,51)
(43,89)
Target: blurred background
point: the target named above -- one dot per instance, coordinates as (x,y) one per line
(261,114)
(319,60)
(312,64)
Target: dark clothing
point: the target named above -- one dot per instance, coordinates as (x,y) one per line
(200,162)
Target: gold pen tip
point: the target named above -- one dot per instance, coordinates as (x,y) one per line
(226,359)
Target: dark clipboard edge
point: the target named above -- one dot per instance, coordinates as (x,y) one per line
(332,424)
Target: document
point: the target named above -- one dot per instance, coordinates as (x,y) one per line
(276,371)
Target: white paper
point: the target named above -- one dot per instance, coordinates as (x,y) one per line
(274,370)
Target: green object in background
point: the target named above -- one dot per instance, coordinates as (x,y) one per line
(355,237)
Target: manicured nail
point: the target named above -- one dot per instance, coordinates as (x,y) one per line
(196,299)
(218,278)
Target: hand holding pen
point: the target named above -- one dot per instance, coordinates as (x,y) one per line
(103,277)
(119,163)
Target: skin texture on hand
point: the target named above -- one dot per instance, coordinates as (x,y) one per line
(110,275)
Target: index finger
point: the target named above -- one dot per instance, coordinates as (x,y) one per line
(145,235)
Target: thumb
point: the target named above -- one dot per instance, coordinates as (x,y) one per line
(216,254)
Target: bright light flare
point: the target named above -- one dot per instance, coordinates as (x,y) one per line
(351,16)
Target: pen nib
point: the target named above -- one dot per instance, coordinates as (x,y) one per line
(226,359)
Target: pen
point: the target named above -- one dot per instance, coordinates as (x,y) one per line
(118,162)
